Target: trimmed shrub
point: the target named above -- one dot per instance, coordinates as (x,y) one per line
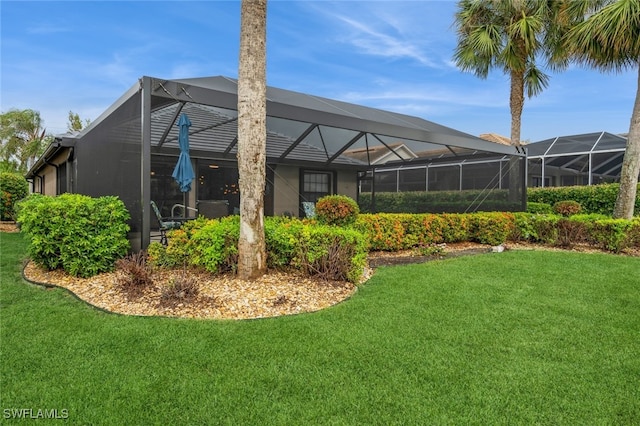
(326,251)
(399,231)
(82,235)
(338,210)
(13,188)
(384,231)
(567,208)
(215,245)
(613,234)
(539,208)
(331,253)
(281,235)
(492,228)
(544,228)
(571,231)
(456,227)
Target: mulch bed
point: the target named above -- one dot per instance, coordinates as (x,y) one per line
(6,226)
(219,296)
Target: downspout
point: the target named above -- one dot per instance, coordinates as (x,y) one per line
(69,161)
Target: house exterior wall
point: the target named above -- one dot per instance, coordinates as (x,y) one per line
(46,182)
(286,182)
(287,187)
(348,183)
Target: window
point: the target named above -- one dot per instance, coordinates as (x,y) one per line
(315,185)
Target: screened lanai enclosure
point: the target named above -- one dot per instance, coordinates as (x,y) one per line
(315,146)
(586,159)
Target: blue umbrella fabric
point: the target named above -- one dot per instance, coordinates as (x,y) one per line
(183,173)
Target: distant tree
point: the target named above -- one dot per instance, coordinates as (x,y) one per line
(507,35)
(75,123)
(252,138)
(609,40)
(23,139)
(512,36)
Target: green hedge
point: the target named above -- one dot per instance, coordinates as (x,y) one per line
(329,252)
(593,199)
(82,235)
(599,199)
(399,231)
(13,188)
(437,201)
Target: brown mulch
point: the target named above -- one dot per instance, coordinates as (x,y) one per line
(219,296)
(6,226)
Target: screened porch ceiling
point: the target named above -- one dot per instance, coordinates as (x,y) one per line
(302,129)
(603,152)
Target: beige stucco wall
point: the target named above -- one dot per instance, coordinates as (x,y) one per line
(348,183)
(287,185)
(50,175)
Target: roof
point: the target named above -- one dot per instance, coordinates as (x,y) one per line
(301,128)
(316,129)
(381,153)
(496,138)
(599,153)
(585,143)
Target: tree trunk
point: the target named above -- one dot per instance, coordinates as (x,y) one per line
(630,165)
(516,104)
(252,138)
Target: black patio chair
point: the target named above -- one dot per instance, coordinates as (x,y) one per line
(166,224)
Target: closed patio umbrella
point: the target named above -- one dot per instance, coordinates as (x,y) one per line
(183,173)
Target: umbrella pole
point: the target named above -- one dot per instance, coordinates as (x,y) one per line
(185,201)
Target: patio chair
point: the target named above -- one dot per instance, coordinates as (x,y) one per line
(165,224)
(184,208)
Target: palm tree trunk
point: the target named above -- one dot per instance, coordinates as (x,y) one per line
(630,165)
(516,104)
(252,138)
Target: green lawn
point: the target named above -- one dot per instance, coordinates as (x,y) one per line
(510,338)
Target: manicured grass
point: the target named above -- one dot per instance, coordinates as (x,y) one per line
(509,338)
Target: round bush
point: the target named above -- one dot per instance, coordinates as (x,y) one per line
(567,208)
(338,210)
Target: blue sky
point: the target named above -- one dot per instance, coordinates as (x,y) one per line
(82,55)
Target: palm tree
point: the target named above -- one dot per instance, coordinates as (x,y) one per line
(609,40)
(252,138)
(512,35)
(509,35)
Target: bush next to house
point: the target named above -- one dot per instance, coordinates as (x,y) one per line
(338,210)
(13,188)
(82,235)
(331,253)
(328,252)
